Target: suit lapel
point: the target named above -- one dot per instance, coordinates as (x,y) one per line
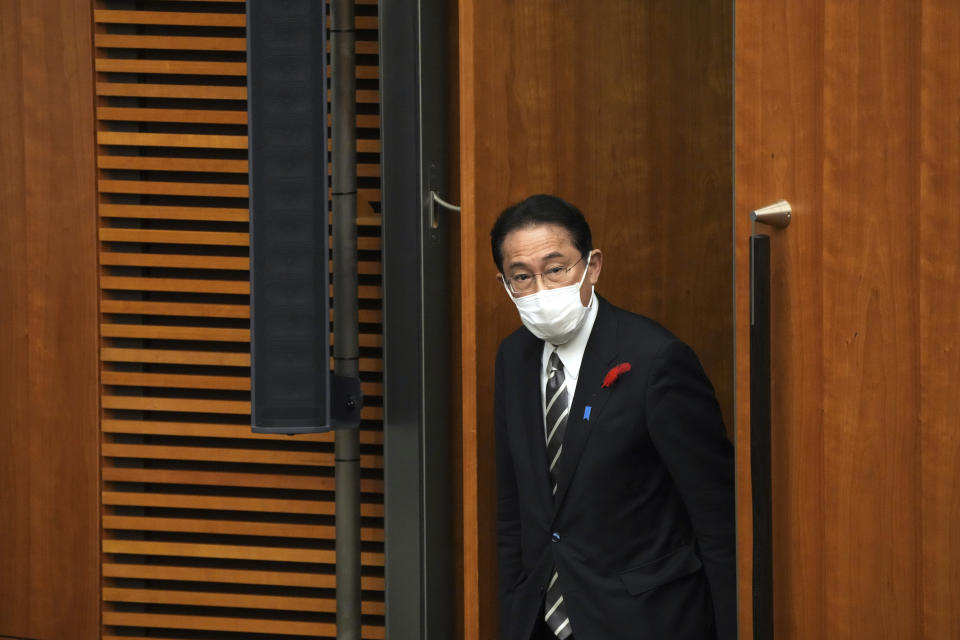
(599,356)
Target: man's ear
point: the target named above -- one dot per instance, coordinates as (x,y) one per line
(596,264)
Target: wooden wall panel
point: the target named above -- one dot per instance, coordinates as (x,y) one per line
(938,253)
(624,109)
(871,398)
(939,279)
(48,328)
(210,530)
(850,112)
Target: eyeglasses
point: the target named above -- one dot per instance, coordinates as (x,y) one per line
(522,283)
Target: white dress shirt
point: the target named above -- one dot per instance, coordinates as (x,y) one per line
(571,355)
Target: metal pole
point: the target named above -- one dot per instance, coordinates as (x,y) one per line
(345,318)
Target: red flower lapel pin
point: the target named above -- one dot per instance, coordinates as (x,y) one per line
(615,373)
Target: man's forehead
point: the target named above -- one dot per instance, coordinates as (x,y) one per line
(537,240)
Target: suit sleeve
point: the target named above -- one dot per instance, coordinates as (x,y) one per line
(684,421)
(508,506)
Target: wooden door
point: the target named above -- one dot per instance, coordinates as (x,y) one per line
(624,109)
(850,111)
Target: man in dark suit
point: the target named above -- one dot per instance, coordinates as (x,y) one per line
(615,477)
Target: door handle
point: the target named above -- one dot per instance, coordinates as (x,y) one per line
(777,214)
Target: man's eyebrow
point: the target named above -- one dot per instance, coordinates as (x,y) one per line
(523,265)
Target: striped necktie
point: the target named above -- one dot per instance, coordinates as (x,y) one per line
(558,406)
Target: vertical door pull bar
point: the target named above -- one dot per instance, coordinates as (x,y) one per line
(776,215)
(760,437)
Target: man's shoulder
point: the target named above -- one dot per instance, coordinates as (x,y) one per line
(518,341)
(634,328)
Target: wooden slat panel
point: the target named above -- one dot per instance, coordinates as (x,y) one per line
(208,599)
(136,114)
(187,19)
(171,356)
(231,576)
(183,381)
(173,261)
(239,1)
(126,138)
(233,552)
(364,243)
(128,462)
(373,316)
(200,92)
(189,285)
(364,171)
(176,381)
(164,332)
(364,145)
(182,67)
(122,41)
(176,309)
(230,503)
(174,213)
(369,268)
(144,163)
(175,188)
(222,454)
(361,22)
(234,527)
(207,92)
(371,121)
(201,430)
(368,96)
(231,479)
(201,310)
(295,457)
(174,333)
(139,403)
(216,358)
(366,47)
(176,284)
(248,625)
(218,238)
(363,72)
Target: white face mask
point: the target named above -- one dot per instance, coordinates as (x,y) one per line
(554,315)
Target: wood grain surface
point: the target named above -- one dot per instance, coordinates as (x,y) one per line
(850,112)
(49,544)
(624,109)
(938,252)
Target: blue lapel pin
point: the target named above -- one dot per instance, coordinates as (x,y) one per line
(586,412)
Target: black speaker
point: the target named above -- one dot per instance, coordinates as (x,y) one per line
(289,266)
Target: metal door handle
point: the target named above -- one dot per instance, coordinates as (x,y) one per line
(776,215)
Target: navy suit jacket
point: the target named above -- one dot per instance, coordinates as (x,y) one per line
(642,527)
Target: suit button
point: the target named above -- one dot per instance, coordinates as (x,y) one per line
(555,537)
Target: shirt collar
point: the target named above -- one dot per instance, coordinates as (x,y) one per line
(571,353)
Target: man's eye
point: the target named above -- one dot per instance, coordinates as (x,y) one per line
(554,271)
(521,277)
